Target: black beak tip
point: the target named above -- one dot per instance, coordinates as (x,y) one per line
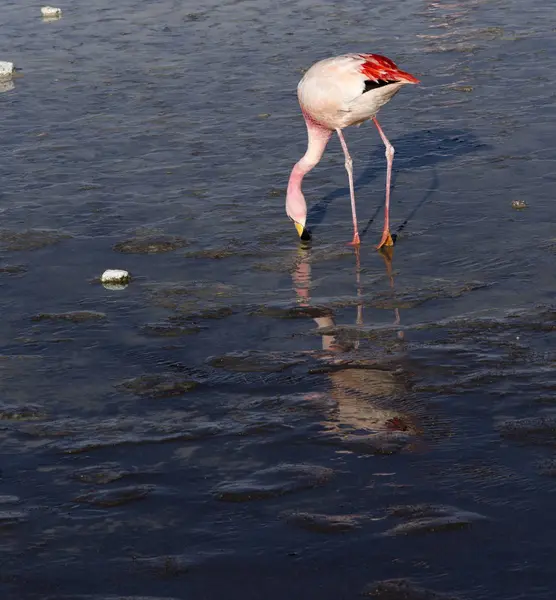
(306,235)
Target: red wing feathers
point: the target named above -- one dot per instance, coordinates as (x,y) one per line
(377,67)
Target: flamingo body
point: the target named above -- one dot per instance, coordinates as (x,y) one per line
(333,94)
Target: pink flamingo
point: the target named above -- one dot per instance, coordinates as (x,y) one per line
(333,94)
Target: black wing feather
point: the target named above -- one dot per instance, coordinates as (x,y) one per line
(373,85)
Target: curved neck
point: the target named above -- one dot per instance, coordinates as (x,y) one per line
(318,137)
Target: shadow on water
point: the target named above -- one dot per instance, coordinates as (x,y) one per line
(432,188)
(425,148)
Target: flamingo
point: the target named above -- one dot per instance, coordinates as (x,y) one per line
(336,93)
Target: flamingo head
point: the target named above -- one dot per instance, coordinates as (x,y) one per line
(303,233)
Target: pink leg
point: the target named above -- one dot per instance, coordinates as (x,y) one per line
(386,237)
(349,169)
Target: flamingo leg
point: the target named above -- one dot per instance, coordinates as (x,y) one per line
(349,168)
(386,239)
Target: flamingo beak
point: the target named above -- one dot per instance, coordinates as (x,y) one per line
(407,77)
(304,234)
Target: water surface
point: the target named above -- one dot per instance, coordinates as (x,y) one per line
(251,417)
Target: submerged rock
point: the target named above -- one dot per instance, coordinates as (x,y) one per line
(255,362)
(4,499)
(402,589)
(162,385)
(26,412)
(77,316)
(225,252)
(153,244)
(13,269)
(216,312)
(426,518)
(101,474)
(9,518)
(72,436)
(323,523)
(107,597)
(293,311)
(114,496)
(548,467)
(31,239)
(273,482)
(169,329)
(194,300)
(166,566)
(174,565)
(382,442)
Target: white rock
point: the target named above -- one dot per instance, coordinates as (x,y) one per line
(6,68)
(6,85)
(115,275)
(115,279)
(51,11)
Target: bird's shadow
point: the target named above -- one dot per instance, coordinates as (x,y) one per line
(425,148)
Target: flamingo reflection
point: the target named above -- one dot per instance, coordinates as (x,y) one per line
(368,390)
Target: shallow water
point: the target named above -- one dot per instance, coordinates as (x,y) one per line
(251,417)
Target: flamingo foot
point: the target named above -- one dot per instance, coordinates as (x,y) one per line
(356,241)
(386,240)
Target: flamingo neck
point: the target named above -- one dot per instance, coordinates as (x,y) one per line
(317,138)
